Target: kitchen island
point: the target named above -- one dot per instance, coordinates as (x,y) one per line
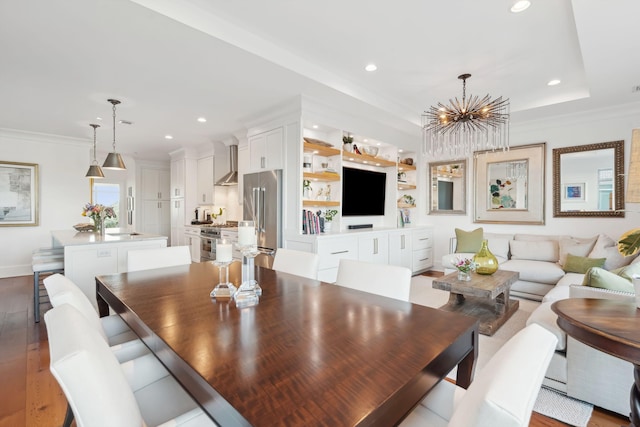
(87,255)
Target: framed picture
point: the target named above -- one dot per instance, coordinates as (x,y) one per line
(573,192)
(509,185)
(18,194)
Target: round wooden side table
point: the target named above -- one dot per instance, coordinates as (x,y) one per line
(609,326)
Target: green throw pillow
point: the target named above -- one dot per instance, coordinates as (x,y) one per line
(580,264)
(601,278)
(628,271)
(469,241)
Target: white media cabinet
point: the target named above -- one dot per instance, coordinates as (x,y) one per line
(411,247)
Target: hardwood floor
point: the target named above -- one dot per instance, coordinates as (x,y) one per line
(30,395)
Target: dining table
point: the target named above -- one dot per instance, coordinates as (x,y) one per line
(309,353)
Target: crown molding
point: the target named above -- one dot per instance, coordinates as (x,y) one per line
(16,134)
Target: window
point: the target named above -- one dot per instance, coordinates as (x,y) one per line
(108,195)
(605,189)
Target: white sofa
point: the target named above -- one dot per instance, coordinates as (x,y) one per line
(538,258)
(575,369)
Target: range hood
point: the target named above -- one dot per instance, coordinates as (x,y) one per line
(232,177)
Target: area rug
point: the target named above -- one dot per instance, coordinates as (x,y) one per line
(549,402)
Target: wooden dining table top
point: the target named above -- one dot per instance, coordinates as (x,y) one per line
(310,353)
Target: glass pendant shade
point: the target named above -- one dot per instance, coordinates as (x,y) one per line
(114,159)
(94,171)
(486,262)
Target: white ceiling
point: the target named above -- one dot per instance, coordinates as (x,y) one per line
(172,61)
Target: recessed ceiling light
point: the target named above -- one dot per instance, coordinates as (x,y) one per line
(202,119)
(168,137)
(520,6)
(365,140)
(371,67)
(315,126)
(553,82)
(98,118)
(400,150)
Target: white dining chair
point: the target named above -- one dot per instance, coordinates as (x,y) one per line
(44,261)
(390,281)
(124,343)
(300,263)
(146,259)
(102,392)
(503,392)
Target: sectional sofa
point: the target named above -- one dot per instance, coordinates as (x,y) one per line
(576,369)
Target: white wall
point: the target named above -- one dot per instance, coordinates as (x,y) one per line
(566,131)
(63,191)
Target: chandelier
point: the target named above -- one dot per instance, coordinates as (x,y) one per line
(473,124)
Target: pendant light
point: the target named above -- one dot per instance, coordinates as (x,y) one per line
(114,160)
(94,171)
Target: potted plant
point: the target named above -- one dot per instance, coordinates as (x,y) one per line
(328,216)
(629,242)
(347,140)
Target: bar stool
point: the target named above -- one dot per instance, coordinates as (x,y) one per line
(48,261)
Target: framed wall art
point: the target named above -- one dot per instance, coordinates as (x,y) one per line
(573,192)
(509,185)
(18,194)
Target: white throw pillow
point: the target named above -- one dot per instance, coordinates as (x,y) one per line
(606,247)
(542,250)
(576,246)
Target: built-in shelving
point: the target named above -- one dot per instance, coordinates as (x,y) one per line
(321,176)
(307,203)
(402,167)
(368,160)
(405,186)
(406,205)
(320,150)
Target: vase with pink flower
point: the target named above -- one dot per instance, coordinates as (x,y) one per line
(465,267)
(98,213)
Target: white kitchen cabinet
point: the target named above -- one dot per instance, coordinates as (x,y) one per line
(232,236)
(192,239)
(84,260)
(177,222)
(400,252)
(266,150)
(205,190)
(331,250)
(155,184)
(183,194)
(422,250)
(156,217)
(374,247)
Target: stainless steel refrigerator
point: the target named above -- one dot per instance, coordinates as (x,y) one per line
(263,204)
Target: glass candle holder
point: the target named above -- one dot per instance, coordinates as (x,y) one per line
(224,290)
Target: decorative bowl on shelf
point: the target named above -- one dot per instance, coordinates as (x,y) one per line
(370,150)
(84,227)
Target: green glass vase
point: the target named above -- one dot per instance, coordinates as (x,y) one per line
(486,262)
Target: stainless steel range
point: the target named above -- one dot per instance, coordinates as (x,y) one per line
(208,236)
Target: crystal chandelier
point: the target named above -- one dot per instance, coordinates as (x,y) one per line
(473,124)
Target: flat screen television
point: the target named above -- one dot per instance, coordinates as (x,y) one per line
(363,192)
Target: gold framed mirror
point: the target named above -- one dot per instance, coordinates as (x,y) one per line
(588,180)
(447,189)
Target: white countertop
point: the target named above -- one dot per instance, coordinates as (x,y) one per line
(113,235)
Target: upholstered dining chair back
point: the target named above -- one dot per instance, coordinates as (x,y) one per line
(300,263)
(63,290)
(87,371)
(123,341)
(503,392)
(390,281)
(146,259)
